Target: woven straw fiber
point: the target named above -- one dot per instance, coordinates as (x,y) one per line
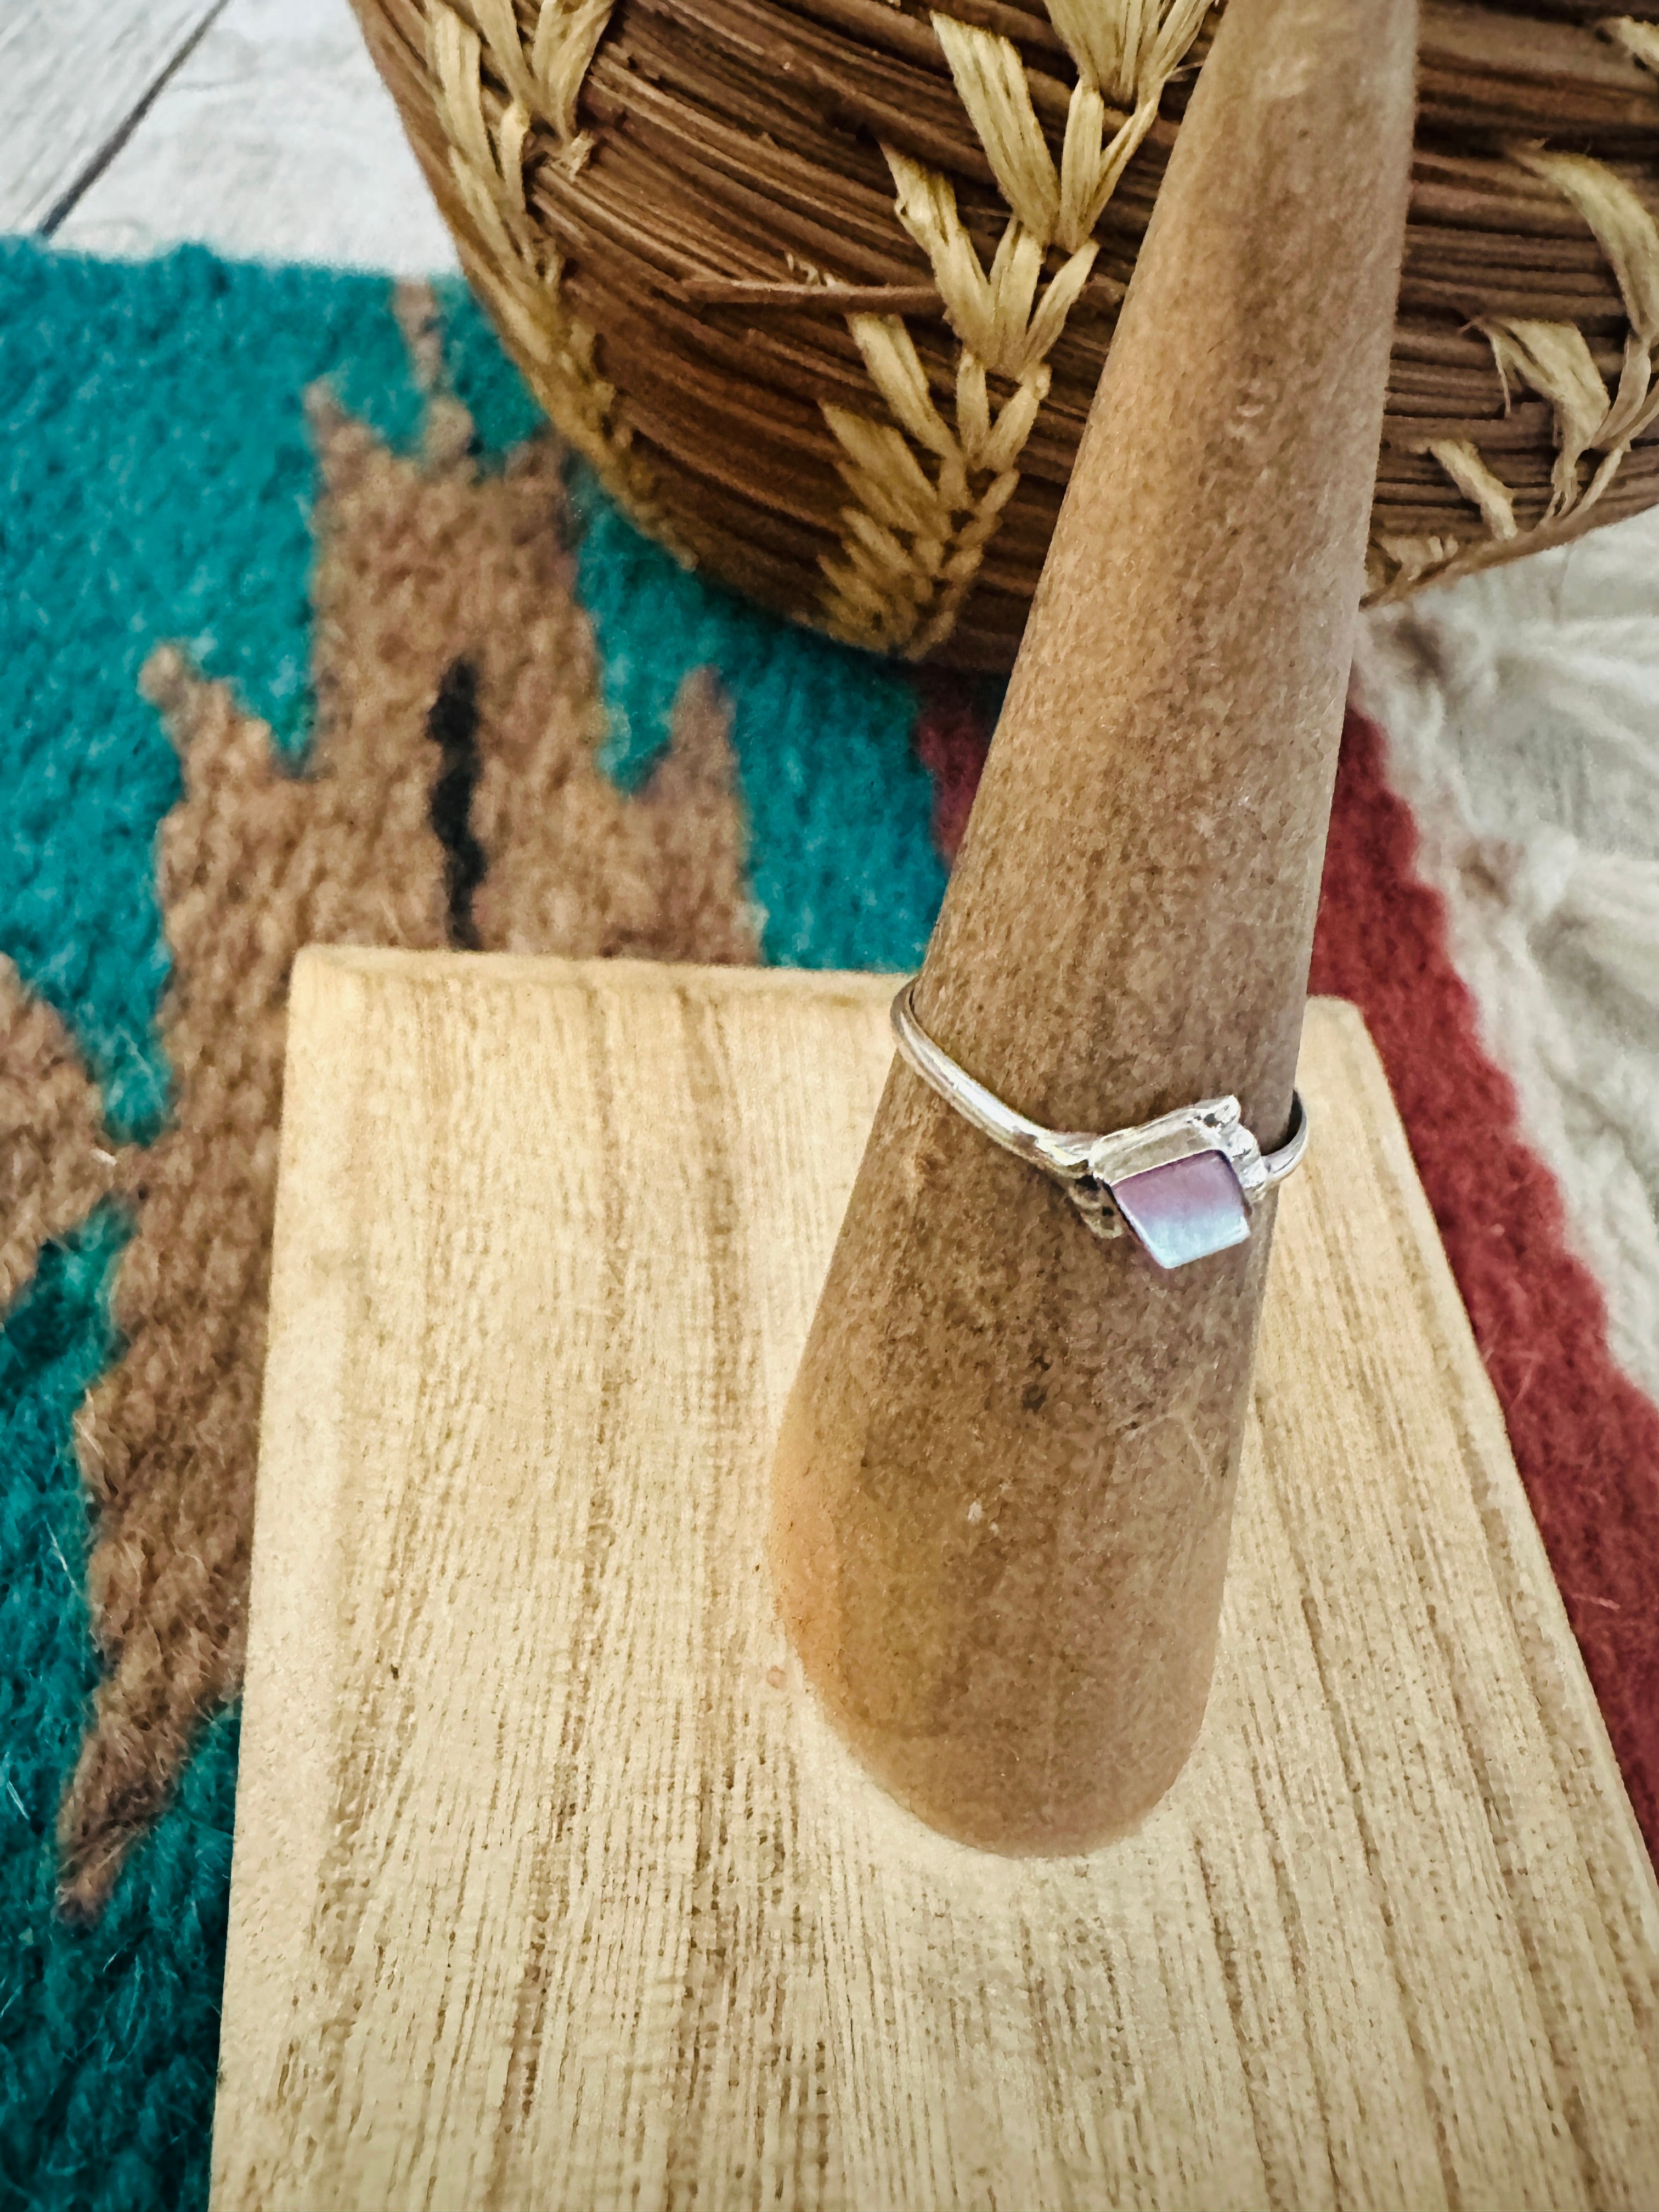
(822,287)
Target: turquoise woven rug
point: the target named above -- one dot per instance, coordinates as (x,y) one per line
(162,489)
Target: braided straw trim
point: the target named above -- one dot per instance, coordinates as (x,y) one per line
(548,80)
(927,496)
(1555,360)
(1462,461)
(907,559)
(1639,40)
(520,271)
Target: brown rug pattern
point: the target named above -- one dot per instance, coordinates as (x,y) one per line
(451,798)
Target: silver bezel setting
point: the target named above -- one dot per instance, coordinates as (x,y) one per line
(1092,1168)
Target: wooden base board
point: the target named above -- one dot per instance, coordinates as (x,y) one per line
(552,1888)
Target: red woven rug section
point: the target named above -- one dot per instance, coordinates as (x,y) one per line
(1586,1440)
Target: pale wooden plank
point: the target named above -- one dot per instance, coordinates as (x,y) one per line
(551,1886)
(74,74)
(274,140)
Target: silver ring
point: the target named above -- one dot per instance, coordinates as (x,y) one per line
(1183,1186)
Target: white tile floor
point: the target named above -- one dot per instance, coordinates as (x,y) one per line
(257,127)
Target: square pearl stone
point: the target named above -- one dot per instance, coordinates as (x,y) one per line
(1186,1209)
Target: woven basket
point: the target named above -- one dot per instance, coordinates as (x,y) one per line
(822,287)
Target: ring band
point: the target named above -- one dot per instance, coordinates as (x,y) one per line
(1183,1186)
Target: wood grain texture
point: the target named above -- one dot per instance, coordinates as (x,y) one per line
(274,140)
(552,1887)
(74,75)
(1163,768)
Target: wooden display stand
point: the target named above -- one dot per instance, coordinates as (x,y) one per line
(553,1889)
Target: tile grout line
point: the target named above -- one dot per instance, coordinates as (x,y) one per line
(65,203)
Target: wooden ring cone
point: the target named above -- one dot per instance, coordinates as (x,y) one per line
(1003,1483)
